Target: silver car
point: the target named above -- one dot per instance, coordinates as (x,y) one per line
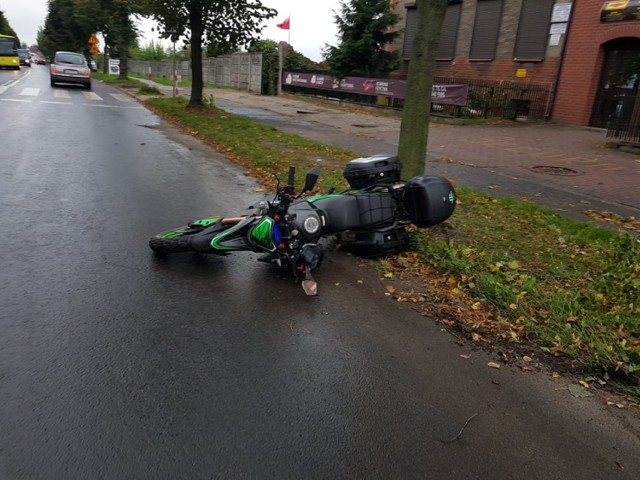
(70,67)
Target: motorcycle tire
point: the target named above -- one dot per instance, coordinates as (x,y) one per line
(162,244)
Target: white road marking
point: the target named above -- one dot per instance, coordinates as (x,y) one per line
(91,96)
(120,97)
(61,94)
(55,103)
(3,89)
(30,92)
(14,100)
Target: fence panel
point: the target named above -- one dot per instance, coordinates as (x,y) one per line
(622,118)
(240,70)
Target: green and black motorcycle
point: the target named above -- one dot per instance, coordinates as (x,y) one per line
(287,229)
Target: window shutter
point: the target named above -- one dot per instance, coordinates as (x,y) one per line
(449,32)
(486,30)
(533,29)
(410,29)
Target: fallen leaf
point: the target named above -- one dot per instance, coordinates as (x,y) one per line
(466,357)
(493,365)
(388,275)
(555,375)
(391,289)
(584,384)
(579,391)
(527,359)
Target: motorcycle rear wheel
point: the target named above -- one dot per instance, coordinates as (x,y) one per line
(173,241)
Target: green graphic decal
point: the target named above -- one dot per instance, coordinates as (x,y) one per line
(205,222)
(322,197)
(262,233)
(172,235)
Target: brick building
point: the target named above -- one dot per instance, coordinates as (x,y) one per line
(504,40)
(599,75)
(585,50)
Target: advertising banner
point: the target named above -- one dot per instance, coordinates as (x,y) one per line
(114,66)
(444,94)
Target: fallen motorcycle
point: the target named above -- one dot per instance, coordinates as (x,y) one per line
(376,208)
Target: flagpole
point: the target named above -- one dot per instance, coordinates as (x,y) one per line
(289,30)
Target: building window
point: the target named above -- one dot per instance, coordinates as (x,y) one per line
(448,34)
(533,29)
(486,30)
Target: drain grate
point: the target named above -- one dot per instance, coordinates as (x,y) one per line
(551,170)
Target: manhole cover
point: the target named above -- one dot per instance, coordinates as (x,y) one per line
(551,170)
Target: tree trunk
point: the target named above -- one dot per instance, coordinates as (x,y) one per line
(414,128)
(195,20)
(124,64)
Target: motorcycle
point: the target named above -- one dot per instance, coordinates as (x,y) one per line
(288,228)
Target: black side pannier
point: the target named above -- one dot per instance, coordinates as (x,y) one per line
(383,241)
(428,200)
(377,169)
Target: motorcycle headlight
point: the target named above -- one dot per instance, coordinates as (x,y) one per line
(311,225)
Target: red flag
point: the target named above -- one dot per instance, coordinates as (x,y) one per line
(284,25)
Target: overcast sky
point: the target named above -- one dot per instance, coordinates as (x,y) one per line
(312,23)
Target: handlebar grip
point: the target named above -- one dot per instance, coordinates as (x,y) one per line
(292,175)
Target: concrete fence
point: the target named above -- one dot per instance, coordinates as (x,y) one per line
(240,70)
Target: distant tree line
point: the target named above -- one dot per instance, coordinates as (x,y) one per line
(5,28)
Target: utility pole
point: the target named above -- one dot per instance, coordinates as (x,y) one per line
(175,72)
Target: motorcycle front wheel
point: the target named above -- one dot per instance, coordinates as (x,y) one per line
(173,241)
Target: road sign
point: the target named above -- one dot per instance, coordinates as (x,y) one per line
(94,49)
(93,39)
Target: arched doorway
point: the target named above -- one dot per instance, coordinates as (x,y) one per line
(615,105)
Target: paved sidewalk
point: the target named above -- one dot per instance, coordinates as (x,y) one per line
(561,167)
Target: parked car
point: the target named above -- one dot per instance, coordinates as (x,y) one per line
(70,67)
(25,58)
(93,65)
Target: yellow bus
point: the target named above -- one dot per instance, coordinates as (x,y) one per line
(9,52)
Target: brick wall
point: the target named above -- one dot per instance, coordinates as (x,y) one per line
(583,59)
(503,67)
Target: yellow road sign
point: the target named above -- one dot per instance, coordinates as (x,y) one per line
(94,49)
(93,39)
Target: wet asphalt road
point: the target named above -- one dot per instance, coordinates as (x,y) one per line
(115,364)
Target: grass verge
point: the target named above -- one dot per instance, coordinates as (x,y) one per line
(501,271)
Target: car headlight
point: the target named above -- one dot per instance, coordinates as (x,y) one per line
(311,225)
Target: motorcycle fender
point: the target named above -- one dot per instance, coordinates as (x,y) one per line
(221,237)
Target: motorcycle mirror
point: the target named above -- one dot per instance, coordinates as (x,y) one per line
(311,179)
(310,287)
